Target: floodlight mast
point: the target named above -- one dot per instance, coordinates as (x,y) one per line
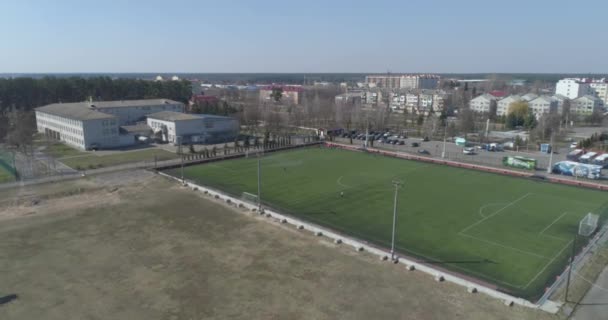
(445,133)
(259,184)
(397,185)
(550,154)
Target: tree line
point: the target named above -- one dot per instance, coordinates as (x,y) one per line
(19,96)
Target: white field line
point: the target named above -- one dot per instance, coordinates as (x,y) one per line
(552,223)
(549,263)
(415,253)
(495,213)
(503,246)
(339,182)
(482,208)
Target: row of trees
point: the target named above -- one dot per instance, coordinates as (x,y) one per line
(19,96)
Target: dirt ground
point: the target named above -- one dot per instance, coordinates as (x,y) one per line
(132,245)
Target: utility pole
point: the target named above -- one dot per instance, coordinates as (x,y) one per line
(397,185)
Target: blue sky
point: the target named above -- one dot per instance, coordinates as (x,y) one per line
(303,36)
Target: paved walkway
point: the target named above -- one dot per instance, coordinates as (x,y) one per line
(594,305)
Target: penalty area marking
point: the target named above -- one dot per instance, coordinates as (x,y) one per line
(495,213)
(552,223)
(548,263)
(503,246)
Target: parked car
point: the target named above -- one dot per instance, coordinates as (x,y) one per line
(424,151)
(470,151)
(415,144)
(425,139)
(573,145)
(401,143)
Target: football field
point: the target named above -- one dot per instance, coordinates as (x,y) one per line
(514,233)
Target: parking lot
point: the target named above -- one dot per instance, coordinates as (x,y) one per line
(454,152)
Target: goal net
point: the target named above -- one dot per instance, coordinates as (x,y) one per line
(249,197)
(588,224)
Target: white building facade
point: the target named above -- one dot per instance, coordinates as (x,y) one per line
(176,128)
(481,103)
(543,105)
(573,88)
(96,125)
(586,105)
(503,105)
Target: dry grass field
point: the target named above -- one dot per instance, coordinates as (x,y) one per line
(132,245)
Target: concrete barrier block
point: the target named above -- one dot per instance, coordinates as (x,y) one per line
(384,258)
(195,189)
(318,233)
(472,290)
(216,196)
(439,278)
(300,227)
(396,260)
(283,220)
(509,303)
(360,248)
(411,267)
(338,241)
(268,215)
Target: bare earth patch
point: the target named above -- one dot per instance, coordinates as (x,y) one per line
(142,247)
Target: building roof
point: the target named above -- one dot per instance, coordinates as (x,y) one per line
(484,96)
(498,93)
(88,110)
(174,116)
(76,111)
(511,98)
(132,103)
(588,97)
(547,99)
(140,128)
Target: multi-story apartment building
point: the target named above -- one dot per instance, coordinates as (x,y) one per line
(543,105)
(600,89)
(503,105)
(420,81)
(573,88)
(349,99)
(482,103)
(586,105)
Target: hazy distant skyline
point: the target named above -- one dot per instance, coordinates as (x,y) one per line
(270,36)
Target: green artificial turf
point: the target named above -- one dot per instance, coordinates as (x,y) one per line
(512,232)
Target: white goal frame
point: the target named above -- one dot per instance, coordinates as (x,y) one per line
(588,224)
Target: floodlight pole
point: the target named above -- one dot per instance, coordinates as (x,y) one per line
(182,165)
(550,154)
(259,184)
(570,267)
(445,133)
(397,184)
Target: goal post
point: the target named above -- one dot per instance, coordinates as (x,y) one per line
(588,224)
(249,197)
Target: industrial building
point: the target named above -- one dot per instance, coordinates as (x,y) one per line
(181,128)
(98,124)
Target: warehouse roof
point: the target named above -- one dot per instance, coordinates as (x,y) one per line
(132,103)
(173,116)
(88,110)
(77,111)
